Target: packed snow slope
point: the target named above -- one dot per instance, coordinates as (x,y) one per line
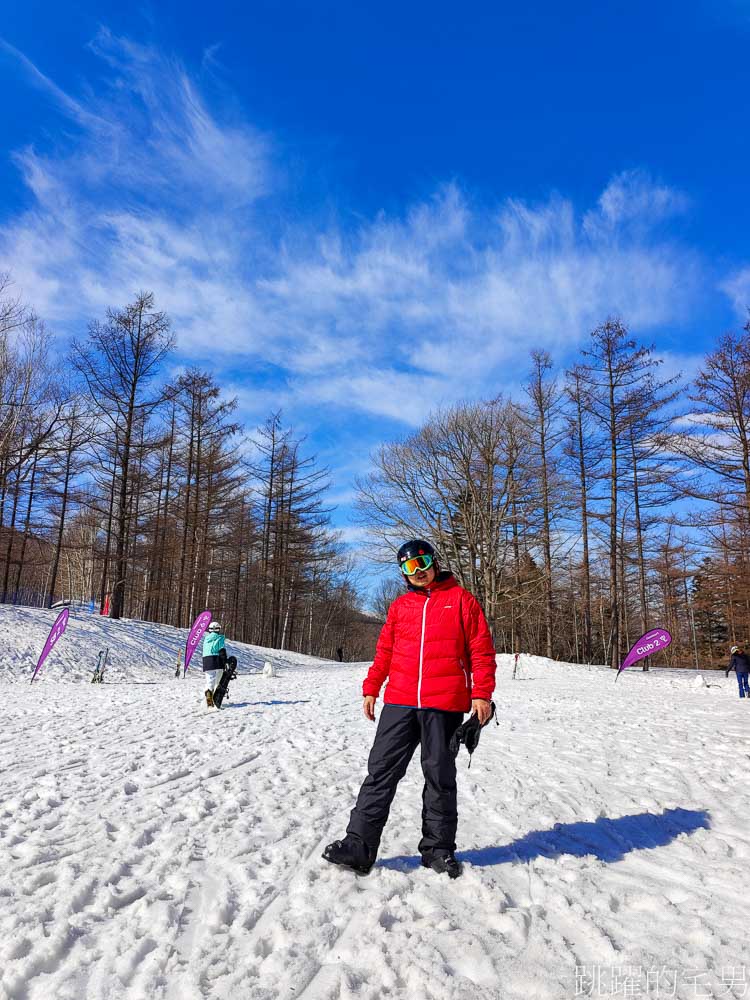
(151,847)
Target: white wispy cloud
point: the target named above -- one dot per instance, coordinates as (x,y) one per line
(737,287)
(452,292)
(634,199)
(72,108)
(160,190)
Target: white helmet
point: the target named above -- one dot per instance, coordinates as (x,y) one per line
(734,649)
(214,627)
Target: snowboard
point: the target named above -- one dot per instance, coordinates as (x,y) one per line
(101,663)
(228,674)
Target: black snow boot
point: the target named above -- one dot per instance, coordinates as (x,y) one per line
(442,862)
(351,853)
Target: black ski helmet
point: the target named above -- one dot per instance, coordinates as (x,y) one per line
(416,547)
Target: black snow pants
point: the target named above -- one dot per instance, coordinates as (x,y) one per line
(400,731)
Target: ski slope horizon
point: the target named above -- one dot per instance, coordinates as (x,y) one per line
(152,847)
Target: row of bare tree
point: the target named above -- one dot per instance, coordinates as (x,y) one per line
(607,501)
(120,485)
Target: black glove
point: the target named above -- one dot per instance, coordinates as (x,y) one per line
(468,733)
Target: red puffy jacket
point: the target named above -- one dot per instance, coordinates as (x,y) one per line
(435,649)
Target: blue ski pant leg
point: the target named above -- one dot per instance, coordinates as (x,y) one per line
(743,685)
(439,805)
(396,740)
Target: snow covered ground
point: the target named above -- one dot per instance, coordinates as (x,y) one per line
(150,847)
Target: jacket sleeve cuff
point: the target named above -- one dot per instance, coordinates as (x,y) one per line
(370,689)
(483,693)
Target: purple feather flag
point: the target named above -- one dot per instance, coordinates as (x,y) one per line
(648,644)
(54,634)
(200,625)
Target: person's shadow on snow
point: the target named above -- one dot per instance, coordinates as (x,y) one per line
(609,840)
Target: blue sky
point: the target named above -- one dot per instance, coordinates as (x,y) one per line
(355,212)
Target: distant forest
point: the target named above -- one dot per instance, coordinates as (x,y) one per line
(603,501)
(143,494)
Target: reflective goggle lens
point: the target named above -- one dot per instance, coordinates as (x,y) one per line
(410,567)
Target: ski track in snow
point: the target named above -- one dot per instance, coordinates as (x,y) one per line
(150,847)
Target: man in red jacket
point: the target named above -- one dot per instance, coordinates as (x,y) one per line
(437,653)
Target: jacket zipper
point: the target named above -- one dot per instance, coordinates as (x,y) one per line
(421,652)
(466,672)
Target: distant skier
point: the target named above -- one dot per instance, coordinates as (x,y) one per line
(340,654)
(740,663)
(214,659)
(437,653)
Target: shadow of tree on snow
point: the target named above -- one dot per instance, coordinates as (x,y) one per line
(609,840)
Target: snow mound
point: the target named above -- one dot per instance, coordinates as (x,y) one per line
(138,651)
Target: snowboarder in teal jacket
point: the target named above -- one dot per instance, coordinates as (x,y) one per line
(214,658)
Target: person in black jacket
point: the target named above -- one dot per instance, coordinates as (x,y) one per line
(740,663)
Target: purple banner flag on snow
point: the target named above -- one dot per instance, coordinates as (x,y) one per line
(648,644)
(200,625)
(54,634)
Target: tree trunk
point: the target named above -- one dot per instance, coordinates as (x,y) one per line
(27,524)
(63,511)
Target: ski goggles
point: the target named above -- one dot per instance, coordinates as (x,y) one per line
(411,566)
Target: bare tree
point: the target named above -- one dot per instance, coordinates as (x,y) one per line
(715,437)
(610,378)
(585,460)
(118,363)
(547,432)
(75,433)
(463,480)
